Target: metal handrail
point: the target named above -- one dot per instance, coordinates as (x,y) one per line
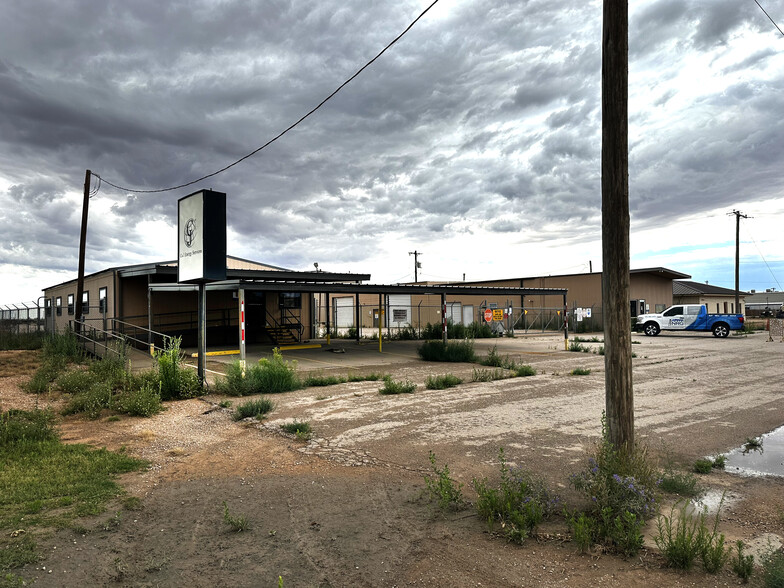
(82,335)
(135,329)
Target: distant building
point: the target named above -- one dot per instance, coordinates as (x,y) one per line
(766,303)
(716,299)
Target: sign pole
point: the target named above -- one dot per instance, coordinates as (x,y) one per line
(380,320)
(443,316)
(202,329)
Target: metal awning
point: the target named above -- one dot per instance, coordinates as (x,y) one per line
(306,286)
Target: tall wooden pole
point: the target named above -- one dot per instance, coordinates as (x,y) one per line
(619,396)
(82,242)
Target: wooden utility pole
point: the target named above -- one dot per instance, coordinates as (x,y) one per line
(417,265)
(619,395)
(738,216)
(82,243)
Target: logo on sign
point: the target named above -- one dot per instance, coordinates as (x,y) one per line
(189,234)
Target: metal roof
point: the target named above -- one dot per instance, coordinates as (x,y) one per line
(344,288)
(687,288)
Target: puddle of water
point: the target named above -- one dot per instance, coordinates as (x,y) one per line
(710,501)
(766,461)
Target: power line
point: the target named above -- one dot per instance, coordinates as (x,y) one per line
(290,127)
(765,260)
(769,18)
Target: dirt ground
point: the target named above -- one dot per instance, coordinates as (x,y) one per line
(346,507)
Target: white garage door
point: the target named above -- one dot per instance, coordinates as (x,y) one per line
(399,312)
(344,312)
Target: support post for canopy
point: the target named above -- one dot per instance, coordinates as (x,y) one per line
(358,316)
(380,320)
(241,297)
(328,313)
(566,323)
(443,317)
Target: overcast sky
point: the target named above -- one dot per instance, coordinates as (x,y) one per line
(476,139)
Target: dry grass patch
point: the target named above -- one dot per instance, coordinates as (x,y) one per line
(18,363)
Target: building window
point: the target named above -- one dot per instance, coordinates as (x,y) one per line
(86,302)
(58,304)
(48,307)
(290,300)
(102,300)
(70,304)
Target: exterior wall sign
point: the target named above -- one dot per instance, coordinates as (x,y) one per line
(201,242)
(498,314)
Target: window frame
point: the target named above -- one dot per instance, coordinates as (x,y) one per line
(70,304)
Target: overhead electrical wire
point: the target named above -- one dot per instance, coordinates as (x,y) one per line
(763,259)
(769,17)
(279,135)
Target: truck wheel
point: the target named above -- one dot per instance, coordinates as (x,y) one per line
(721,330)
(651,329)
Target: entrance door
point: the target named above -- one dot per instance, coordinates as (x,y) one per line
(255,316)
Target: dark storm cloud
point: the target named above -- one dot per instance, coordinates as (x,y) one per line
(481,107)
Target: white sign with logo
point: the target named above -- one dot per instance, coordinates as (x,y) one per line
(201,245)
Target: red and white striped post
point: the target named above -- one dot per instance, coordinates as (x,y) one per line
(242,330)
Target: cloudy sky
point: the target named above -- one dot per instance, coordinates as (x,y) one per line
(476,139)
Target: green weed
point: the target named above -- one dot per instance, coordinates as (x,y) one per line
(300,429)
(742,565)
(455,351)
(719,461)
(772,562)
(518,504)
(442,489)
(143,402)
(442,382)
(580,371)
(394,387)
(253,408)
(703,466)
(313,381)
(522,371)
(237,523)
(485,375)
(678,538)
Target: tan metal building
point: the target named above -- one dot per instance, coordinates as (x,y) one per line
(716,299)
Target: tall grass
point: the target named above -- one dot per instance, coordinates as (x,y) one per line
(10,340)
(455,351)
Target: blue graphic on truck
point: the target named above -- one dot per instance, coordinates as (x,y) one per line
(689,317)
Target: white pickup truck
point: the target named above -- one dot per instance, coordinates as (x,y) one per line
(689,317)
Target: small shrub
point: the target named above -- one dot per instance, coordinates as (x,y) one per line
(176,380)
(49,370)
(522,371)
(300,429)
(678,538)
(578,347)
(442,488)
(393,387)
(63,345)
(234,382)
(314,381)
(274,375)
(92,402)
(371,377)
(76,381)
(26,426)
(580,371)
(742,565)
(703,466)
(519,503)
(237,523)
(772,562)
(456,351)
(752,444)
(442,382)
(679,483)
(143,402)
(719,461)
(485,375)
(492,359)
(253,408)
(583,529)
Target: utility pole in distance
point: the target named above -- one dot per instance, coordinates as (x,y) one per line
(417,265)
(82,242)
(738,216)
(619,394)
